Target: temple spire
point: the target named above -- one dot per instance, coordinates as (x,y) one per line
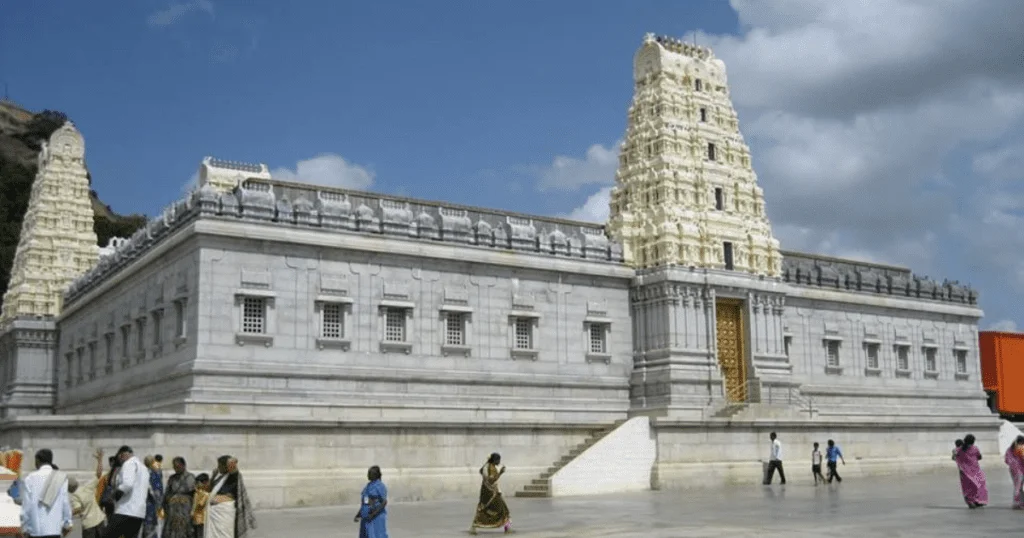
(686,193)
(57,242)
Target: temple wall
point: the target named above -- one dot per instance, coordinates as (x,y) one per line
(694,455)
(869,378)
(131,345)
(293,371)
(309,463)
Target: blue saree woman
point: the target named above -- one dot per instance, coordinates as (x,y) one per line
(373,514)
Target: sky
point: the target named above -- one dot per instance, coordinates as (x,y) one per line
(882,130)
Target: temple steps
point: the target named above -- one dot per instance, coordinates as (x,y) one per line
(541,486)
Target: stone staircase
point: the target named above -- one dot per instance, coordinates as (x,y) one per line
(541,487)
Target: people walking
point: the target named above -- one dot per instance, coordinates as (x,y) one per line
(491,510)
(775,461)
(177,505)
(816,465)
(45,502)
(972,478)
(84,504)
(1014,459)
(373,512)
(130,489)
(834,455)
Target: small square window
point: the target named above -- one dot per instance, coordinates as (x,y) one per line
(455,329)
(254,315)
(961,361)
(394,325)
(832,347)
(332,320)
(903,358)
(524,333)
(598,339)
(930,363)
(872,353)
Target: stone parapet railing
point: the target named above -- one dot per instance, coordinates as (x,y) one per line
(850,275)
(346,211)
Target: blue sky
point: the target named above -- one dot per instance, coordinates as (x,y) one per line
(886,130)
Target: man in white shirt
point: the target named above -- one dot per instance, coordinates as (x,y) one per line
(45,504)
(775,461)
(131,487)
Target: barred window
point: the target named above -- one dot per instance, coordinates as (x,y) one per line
(961,361)
(394,325)
(524,333)
(140,342)
(179,318)
(455,329)
(903,358)
(930,364)
(331,325)
(108,342)
(873,356)
(254,315)
(597,338)
(833,352)
(158,318)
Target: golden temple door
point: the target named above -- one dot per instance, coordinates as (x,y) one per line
(731,355)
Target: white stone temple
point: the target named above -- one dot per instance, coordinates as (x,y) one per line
(313,332)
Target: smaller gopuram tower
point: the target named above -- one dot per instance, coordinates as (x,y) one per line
(686,193)
(58,242)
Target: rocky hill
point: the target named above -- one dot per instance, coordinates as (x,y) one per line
(21,136)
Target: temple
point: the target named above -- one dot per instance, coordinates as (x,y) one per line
(313,331)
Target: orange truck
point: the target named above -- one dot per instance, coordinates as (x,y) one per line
(1002,372)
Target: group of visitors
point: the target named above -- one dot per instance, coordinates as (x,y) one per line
(130,500)
(973,484)
(833,455)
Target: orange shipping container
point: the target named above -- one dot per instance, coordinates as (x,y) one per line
(1002,369)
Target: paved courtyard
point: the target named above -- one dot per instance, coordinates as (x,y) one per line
(927,505)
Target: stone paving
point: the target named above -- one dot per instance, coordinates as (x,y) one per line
(928,505)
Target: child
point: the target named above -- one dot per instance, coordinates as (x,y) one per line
(816,465)
(199,502)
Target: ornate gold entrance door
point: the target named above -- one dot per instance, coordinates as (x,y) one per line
(729,333)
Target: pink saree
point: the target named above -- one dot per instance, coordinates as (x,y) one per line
(972,478)
(1016,464)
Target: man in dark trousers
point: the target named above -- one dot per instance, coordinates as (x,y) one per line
(131,486)
(833,455)
(775,461)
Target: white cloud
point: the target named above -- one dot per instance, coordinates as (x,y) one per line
(571,173)
(595,209)
(1006,162)
(329,170)
(1006,325)
(174,12)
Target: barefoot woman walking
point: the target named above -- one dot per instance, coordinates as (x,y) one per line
(491,511)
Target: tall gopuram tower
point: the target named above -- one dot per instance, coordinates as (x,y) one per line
(685,191)
(707,304)
(57,244)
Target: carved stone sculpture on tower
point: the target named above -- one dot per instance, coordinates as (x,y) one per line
(226,175)
(57,242)
(686,193)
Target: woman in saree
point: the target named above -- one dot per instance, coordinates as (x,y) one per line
(1014,459)
(373,514)
(228,511)
(972,478)
(491,510)
(154,500)
(177,506)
